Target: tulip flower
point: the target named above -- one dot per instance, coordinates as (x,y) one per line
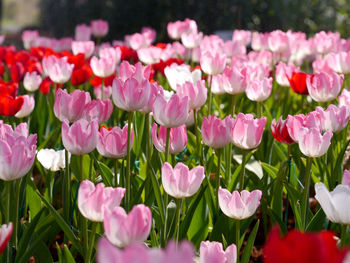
(211,252)
(219,84)
(112,143)
(301,247)
(155,90)
(247,131)
(58,69)
(323,87)
(103,67)
(242,36)
(110,52)
(237,79)
(339,62)
(177,28)
(312,143)
(334,203)
(280,132)
(212,63)
(177,141)
(82,33)
(27,107)
(5,235)
(85,47)
(179,74)
(172,113)
(346,178)
(191,39)
(71,106)
(17,151)
(32,81)
(99,110)
(259,90)
(196,92)
(283,72)
(344,98)
(324,42)
(181,182)
(239,205)
(52,160)
(217,133)
(278,41)
(28,38)
(298,83)
(93,200)
(333,119)
(80,138)
(99,28)
(123,229)
(107,92)
(295,123)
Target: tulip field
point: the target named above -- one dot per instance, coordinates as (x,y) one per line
(197,150)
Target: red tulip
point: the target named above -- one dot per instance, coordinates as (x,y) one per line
(298,83)
(300,247)
(45,85)
(280,132)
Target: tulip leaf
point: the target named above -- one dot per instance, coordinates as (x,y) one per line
(60,221)
(33,200)
(42,253)
(317,221)
(252,165)
(250,242)
(271,170)
(67,256)
(52,136)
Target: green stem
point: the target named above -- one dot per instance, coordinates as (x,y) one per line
(258,108)
(218,170)
(241,180)
(238,237)
(116,164)
(196,132)
(92,241)
(302,103)
(148,152)
(66,190)
(233,106)
(167,143)
(177,214)
(343,235)
(102,88)
(210,78)
(128,154)
(7,185)
(15,217)
(305,200)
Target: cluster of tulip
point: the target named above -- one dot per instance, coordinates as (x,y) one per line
(80,119)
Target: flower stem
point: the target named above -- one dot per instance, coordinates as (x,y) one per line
(198,142)
(7,185)
(116,164)
(238,237)
(343,235)
(305,200)
(258,108)
(177,214)
(210,78)
(66,190)
(102,88)
(92,241)
(241,181)
(165,194)
(15,217)
(218,170)
(128,154)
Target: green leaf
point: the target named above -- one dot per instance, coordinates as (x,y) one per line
(317,221)
(68,258)
(271,170)
(33,200)
(278,220)
(52,136)
(64,226)
(249,246)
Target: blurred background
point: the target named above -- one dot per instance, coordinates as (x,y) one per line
(57,18)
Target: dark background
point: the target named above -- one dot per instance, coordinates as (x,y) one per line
(59,17)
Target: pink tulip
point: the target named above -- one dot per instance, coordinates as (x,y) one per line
(99,110)
(177,142)
(138,72)
(333,119)
(149,34)
(123,229)
(28,38)
(324,87)
(220,83)
(312,143)
(155,90)
(92,201)
(181,182)
(27,106)
(232,48)
(132,94)
(212,63)
(80,138)
(213,252)
(325,42)
(85,47)
(5,235)
(256,71)
(107,90)
(259,90)
(344,98)
(278,41)
(149,55)
(17,151)
(237,79)
(242,36)
(260,41)
(216,133)
(247,131)
(295,123)
(339,62)
(32,81)
(182,252)
(176,29)
(322,65)
(239,205)
(196,93)
(82,33)
(103,67)
(191,39)
(112,143)
(172,113)
(110,53)
(58,69)
(179,74)
(99,28)
(283,72)
(71,106)
(137,41)
(346,178)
